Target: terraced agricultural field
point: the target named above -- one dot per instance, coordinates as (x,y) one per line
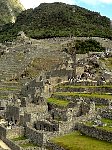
(107,126)
(105,96)
(77,141)
(23,62)
(58,102)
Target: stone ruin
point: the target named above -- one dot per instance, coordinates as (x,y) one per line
(30,115)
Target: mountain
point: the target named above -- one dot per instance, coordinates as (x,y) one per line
(58,20)
(9,10)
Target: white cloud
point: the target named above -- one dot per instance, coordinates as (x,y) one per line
(35,3)
(95,2)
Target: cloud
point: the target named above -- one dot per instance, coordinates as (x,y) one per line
(95,2)
(35,3)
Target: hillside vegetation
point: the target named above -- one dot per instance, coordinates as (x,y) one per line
(83,47)
(58,20)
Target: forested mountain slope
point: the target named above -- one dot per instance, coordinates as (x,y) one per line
(58,20)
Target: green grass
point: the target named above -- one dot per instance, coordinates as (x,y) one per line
(3,97)
(107,62)
(106,120)
(8,89)
(107,128)
(24,145)
(76,141)
(100,106)
(103,120)
(58,102)
(93,95)
(77,86)
(19,138)
(109,124)
(28,145)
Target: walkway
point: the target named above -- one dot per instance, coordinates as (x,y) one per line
(4,146)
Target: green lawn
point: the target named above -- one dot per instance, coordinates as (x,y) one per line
(19,138)
(76,141)
(93,95)
(58,102)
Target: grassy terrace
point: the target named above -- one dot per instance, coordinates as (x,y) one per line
(93,95)
(82,86)
(108,121)
(108,127)
(9,89)
(19,138)
(107,62)
(3,97)
(77,141)
(58,102)
(109,124)
(100,106)
(26,144)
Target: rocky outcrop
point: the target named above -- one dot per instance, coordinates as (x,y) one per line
(9,10)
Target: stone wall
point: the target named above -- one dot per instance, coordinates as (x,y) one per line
(2,132)
(107,114)
(46,125)
(32,113)
(12,114)
(15,146)
(87,89)
(95,132)
(53,146)
(83,83)
(15,132)
(5,134)
(39,137)
(59,114)
(45,86)
(76,99)
(79,70)
(66,127)
(34,135)
(11,144)
(32,108)
(81,56)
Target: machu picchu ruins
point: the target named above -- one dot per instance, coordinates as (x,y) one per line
(55,92)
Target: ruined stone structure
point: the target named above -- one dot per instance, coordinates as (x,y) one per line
(31,115)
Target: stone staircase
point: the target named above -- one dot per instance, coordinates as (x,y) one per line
(15,62)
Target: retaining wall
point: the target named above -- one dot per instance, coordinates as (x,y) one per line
(75,99)
(53,146)
(107,114)
(95,132)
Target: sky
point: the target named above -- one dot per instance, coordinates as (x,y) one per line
(104,7)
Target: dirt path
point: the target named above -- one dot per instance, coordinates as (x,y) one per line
(4,146)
